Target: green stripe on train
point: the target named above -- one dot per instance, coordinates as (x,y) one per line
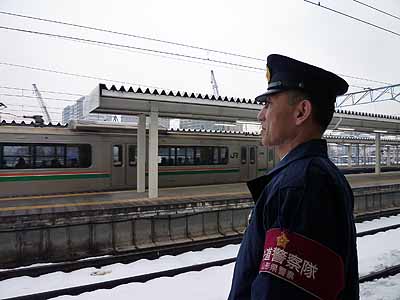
(53,177)
(91,176)
(163,173)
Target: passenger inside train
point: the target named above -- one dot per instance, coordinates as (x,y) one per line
(21,164)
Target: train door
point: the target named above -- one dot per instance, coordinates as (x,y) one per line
(118,165)
(123,165)
(248,162)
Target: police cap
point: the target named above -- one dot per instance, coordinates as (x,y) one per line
(285,73)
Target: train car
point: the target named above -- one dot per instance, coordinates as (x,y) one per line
(58,159)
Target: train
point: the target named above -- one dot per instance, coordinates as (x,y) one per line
(87,156)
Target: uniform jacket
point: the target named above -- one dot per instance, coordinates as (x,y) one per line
(307,194)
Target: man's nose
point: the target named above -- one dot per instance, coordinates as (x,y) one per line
(261,115)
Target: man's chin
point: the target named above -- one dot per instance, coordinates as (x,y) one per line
(265,143)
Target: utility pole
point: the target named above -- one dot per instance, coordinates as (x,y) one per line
(214,85)
(41,103)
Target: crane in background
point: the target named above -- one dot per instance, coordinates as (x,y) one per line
(214,85)
(41,103)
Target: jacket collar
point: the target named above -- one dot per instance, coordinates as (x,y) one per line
(317,147)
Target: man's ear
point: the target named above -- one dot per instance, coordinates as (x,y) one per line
(303,111)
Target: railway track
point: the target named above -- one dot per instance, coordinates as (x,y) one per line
(368,216)
(74,291)
(148,253)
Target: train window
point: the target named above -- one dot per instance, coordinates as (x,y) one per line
(15,150)
(252,155)
(196,155)
(49,156)
(117,155)
(216,156)
(171,160)
(206,155)
(132,155)
(224,155)
(26,156)
(176,156)
(243,155)
(16,157)
(189,159)
(163,156)
(78,156)
(180,155)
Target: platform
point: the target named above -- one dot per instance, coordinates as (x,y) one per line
(48,204)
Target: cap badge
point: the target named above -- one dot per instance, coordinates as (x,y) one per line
(268,75)
(282,240)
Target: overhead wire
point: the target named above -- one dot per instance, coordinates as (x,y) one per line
(130,47)
(170,57)
(30,111)
(377,9)
(42,91)
(133,35)
(370,80)
(33,106)
(45,98)
(121,46)
(78,75)
(352,17)
(11,114)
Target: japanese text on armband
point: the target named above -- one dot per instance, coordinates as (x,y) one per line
(303,262)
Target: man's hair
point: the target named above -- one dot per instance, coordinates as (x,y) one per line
(322,107)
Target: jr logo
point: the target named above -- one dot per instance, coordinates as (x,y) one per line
(235,155)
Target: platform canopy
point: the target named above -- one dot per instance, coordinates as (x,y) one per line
(171,105)
(185,105)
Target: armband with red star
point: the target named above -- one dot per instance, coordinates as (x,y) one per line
(304,263)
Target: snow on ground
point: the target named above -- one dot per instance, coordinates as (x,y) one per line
(377,223)
(214,284)
(382,289)
(27,285)
(210,284)
(375,253)
(378,251)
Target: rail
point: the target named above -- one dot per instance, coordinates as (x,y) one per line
(74,291)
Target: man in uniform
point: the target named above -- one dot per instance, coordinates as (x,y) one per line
(301,241)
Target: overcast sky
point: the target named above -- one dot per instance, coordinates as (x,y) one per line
(253,28)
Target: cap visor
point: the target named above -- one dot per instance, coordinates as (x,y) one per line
(262,98)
